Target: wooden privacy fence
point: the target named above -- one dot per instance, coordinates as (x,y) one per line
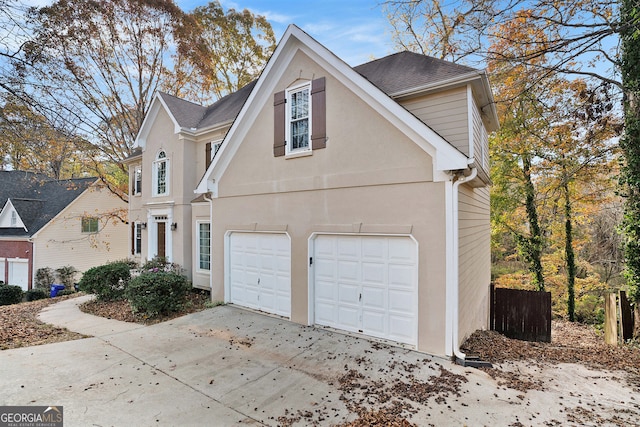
(524,315)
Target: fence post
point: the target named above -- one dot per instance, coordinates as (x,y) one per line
(610,319)
(492,307)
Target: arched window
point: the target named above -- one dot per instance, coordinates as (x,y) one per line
(161,175)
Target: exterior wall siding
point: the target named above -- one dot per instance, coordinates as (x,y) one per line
(475,259)
(446,113)
(61,242)
(480,140)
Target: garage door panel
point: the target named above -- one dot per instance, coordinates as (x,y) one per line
(367,284)
(348,318)
(374,273)
(402,276)
(260,270)
(374,298)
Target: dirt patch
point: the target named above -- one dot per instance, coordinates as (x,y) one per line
(121,310)
(21,327)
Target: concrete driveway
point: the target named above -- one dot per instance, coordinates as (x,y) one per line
(226,366)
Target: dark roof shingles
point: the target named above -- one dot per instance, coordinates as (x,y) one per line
(37,198)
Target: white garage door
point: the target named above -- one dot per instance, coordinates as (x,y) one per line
(19,273)
(260,272)
(367,284)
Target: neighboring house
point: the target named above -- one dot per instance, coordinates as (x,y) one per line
(56,223)
(352,198)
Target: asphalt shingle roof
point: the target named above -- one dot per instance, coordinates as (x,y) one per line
(37,198)
(404,71)
(392,74)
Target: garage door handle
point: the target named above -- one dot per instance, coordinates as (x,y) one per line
(360,299)
(258,280)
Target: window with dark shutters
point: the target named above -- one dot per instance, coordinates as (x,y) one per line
(318,114)
(279,125)
(318,118)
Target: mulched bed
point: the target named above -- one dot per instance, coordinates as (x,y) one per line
(121,310)
(21,327)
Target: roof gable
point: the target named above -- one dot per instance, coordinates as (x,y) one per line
(444,155)
(37,199)
(10,218)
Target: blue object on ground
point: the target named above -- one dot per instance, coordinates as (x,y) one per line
(55,289)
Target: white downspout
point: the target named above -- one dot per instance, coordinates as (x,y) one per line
(455,294)
(210,244)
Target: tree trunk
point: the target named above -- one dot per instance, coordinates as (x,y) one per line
(569,254)
(534,244)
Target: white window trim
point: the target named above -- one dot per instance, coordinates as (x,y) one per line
(137,191)
(197,241)
(137,227)
(215,147)
(156,163)
(298,151)
(90,219)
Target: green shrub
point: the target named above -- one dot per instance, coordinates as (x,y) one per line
(108,282)
(66,292)
(160,264)
(44,278)
(36,294)
(67,275)
(158,293)
(10,294)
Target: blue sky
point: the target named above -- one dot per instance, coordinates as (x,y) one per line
(355,30)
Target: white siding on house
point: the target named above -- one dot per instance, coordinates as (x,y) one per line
(61,242)
(475,259)
(480,140)
(446,113)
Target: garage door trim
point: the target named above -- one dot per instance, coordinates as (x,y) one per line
(312,274)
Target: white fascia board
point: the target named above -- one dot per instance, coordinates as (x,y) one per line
(147,123)
(445,156)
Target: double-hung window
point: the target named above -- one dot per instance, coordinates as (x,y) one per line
(161,175)
(204,246)
(137,239)
(299,119)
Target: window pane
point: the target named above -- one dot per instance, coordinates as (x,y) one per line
(162,177)
(300,104)
(300,134)
(138,244)
(204,246)
(89,225)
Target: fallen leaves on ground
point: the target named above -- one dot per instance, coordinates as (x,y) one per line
(21,327)
(121,310)
(570,343)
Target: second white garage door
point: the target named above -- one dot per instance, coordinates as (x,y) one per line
(260,272)
(368,285)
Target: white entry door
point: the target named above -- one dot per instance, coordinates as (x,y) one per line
(19,273)
(368,285)
(260,272)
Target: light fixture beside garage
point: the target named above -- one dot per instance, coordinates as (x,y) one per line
(174,226)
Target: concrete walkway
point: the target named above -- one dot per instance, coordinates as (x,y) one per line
(67,314)
(228,366)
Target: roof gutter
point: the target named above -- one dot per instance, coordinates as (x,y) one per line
(455,263)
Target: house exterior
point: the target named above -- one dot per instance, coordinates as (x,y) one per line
(350,198)
(56,223)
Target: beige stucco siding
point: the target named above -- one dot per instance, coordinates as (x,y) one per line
(446,113)
(475,259)
(408,209)
(61,242)
(369,179)
(362,148)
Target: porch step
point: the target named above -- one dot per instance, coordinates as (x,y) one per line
(473,361)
